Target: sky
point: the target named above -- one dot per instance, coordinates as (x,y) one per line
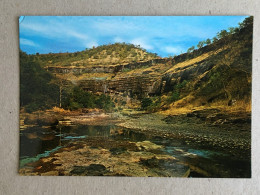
(164,35)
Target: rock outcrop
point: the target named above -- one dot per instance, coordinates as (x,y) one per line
(103,68)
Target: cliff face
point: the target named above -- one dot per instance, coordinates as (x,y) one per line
(103,68)
(219,72)
(141,85)
(207,79)
(134,78)
(220,77)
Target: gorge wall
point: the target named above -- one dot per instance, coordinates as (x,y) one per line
(79,68)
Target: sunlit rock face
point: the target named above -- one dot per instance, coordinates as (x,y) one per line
(133,84)
(118,78)
(195,77)
(85,68)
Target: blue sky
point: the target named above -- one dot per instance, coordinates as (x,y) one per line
(164,35)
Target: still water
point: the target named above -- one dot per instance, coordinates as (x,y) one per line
(38,142)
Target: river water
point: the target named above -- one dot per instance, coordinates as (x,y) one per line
(37,142)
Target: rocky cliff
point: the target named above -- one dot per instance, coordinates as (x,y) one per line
(217,73)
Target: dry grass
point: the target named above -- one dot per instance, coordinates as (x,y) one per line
(155,70)
(238,106)
(60,110)
(94,75)
(181,106)
(190,104)
(177,111)
(246,106)
(187,63)
(106,59)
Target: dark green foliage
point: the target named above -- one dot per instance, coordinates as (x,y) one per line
(79,98)
(174,96)
(145,103)
(33,107)
(232,30)
(214,39)
(74,105)
(36,92)
(222,34)
(156,105)
(231,79)
(208,41)
(200,44)
(126,70)
(214,84)
(191,49)
(226,84)
(104,102)
(151,104)
(181,85)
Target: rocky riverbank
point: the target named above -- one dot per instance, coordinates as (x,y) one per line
(110,158)
(57,116)
(210,127)
(133,143)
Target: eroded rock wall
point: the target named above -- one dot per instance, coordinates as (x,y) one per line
(139,85)
(102,68)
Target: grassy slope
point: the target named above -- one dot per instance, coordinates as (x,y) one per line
(217,75)
(219,78)
(112,54)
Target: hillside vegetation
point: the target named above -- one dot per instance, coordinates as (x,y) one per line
(111,54)
(221,77)
(216,73)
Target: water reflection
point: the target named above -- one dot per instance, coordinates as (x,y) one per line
(37,142)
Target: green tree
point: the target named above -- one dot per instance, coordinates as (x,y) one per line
(222,34)
(214,39)
(36,91)
(145,103)
(246,23)
(208,41)
(105,102)
(200,44)
(231,30)
(191,49)
(61,81)
(174,96)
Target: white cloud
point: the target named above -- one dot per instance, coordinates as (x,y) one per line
(91,44)
(143,43)
(81,36)
(163,35)
(118,40)
(173,50)
(27,42)
(56,31)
